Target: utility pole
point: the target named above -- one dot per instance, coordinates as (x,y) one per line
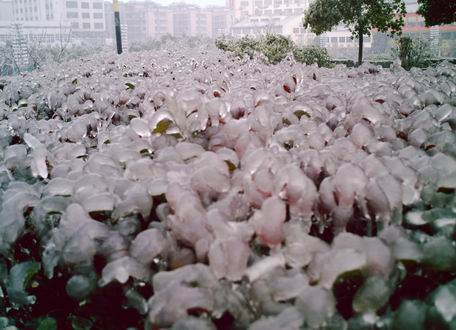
(115,4)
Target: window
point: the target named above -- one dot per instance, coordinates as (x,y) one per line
(72,14)
(75,25)
(84,5)
(72,4)
(341,39)
(333,39)
(86,26)
(99,26)
(97,5)
(85,15)
(97,15)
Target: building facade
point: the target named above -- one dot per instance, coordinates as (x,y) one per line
(51,20)
(257,17)
(441,39)
(149,20)
(86,18)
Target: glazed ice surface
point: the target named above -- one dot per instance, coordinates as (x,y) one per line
(222,182)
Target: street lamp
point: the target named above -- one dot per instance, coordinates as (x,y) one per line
(115,5)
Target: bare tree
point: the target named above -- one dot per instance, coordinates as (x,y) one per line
(64,42)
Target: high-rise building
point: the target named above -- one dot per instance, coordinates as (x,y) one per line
(6,10)
(243,9)
(222,20)
(159,22)
(257,17)
(40,21)
(135,15)
(38,11)
(87,18)
(149,20)
(48,20)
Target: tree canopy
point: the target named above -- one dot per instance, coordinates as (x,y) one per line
(437,12)
(360,16)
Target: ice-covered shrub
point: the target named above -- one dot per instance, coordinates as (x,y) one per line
(182,189)
(275,48)
(412,52)
(312,55)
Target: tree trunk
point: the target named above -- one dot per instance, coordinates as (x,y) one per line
(360,47)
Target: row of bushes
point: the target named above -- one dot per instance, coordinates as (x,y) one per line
(275,48)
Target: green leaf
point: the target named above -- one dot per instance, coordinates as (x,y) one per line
(22,103)
(136,301)
(3,322)
(231,166)
(47,323)
(440,254)
(162,126)
(3,273)
(79,287)
(443,304)
(436,214)
(372,295)
(300,113)
(79,323)
(410,315)
(19,280)
(130,85)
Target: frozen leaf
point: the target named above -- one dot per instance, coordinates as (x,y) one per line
(410,315)
(316,304)
(372,295)
(290,319)
(79,286)
(19,280)
(147,245)
(122,269)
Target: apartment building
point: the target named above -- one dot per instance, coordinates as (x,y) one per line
(243,9)
(39,21)
(149,20)
(222,20)
(38,11)
(86,18)
(159,22)
(442,38)
(48,21)
(257,17)
(6,10)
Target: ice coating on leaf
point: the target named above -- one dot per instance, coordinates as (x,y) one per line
(268,222)
(197,286)
(140,127)
(122,269)
(147,245)
(265,266)
(300,246)
(316,304)
(15,202)
(289,319)
(238,183)
(329,266)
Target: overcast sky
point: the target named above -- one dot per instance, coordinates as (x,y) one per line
(201,3)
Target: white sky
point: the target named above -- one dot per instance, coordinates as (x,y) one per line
(201,3)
